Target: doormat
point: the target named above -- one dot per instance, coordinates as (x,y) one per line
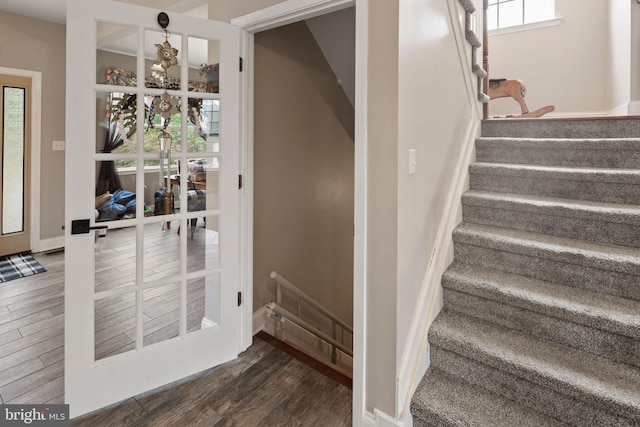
(19,265)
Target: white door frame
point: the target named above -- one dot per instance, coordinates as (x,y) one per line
(36,126)
(278,15)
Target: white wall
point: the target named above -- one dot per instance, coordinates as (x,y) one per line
(433,122)
(635,57)
(336,34)
(564,65)
(418,100)
(619,61)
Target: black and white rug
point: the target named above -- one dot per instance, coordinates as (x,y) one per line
(19,265)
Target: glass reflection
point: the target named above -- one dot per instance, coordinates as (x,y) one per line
(161,309)
(115,259)
(203,246)
(115,325)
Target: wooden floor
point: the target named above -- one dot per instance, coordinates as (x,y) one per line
(263,386)
(32,335)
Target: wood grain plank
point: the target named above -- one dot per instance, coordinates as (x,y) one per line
(53,356)
(20,370)
(253,407)
(50,391)
(278,417)
(48,325)
(32,382)
(14,358)
(32,340)
(127,413)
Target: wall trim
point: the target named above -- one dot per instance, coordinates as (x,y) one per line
(48,244)
(526,27)
(634,108)
(288,12)
(412,363)
(259,320)
(36,147)
(381,419)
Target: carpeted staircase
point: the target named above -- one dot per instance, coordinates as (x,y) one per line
(541,319)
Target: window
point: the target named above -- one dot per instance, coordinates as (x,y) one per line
(211,113)
(509,13)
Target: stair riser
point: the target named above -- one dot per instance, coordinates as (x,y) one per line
(542,128)
(593,279)
(623,159)
(586,338)
(570,188)
(545,221)
(538,397)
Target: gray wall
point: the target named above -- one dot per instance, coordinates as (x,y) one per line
(35,45)
(303,212)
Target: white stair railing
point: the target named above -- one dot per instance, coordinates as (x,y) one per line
(469,8)
(276,311)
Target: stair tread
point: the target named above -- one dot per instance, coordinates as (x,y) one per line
(549,364)
(561,143)
(459,403)
(630,176)
(606,256)
(615,212)
(614,314)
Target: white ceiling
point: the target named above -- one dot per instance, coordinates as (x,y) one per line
(48,10)
(56,10)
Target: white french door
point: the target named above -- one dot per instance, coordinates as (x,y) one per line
(153,155)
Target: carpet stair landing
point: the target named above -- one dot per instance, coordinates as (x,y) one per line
(541,318)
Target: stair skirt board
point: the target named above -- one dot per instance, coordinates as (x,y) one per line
(541,318)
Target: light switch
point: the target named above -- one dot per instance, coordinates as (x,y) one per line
(412,161)
(58,145)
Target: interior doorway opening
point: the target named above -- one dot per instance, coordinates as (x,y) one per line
(303,205)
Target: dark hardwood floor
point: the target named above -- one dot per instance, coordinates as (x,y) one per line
(264,386)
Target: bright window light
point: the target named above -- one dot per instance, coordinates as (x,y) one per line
(509,13)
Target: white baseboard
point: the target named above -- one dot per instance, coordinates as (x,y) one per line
(48,244)
(259,317)
(380,419)
(634,108)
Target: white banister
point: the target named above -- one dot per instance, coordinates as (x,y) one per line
(281,281)
(276,311)
(308,327)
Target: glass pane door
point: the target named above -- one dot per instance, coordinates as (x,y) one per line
(160,288)
(14,152)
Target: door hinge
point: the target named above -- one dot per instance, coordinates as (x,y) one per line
(239,182)
(239,299)
(241,64)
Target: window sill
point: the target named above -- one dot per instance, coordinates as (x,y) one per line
(526,27)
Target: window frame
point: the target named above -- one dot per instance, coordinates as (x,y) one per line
(522,26)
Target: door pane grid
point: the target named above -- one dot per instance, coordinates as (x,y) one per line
(164,298)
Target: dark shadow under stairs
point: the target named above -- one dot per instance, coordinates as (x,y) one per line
(541,319)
